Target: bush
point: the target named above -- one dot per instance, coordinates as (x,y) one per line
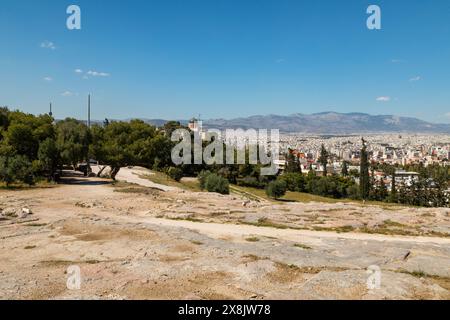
(330,186)
(175,173)
(325,187)
(215,183)
(294,181)
(276,189)
(202,178)
(353,192)
(252,182)
(16,168)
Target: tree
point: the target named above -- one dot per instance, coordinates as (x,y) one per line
(48,156)
(390,170)
(26,131)
(6,174)
(382,191)
(159,148)
(73,140)
(323,159)
(20,138)
(364,180)
(16,168)
(96,147)
(330,186)
(292,163)
(276,189)
(294,181)
(345,169)
(123,144)
(4,119)
(171,126)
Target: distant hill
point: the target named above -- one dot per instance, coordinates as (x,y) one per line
(332,123)
(324,123)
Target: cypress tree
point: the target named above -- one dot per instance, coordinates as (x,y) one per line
(345,169)
(364,180)
(393,196)
(292,163)
(323,159)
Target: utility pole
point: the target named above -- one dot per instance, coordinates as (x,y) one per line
(89,111)
(88,167)
(50,113)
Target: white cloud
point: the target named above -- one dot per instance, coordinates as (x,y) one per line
(447,114)
(78,71)
(281,60)
(48,45)
(97,74)
(417,78)
(48,79)
(397,61)
(384,99)
(67,94)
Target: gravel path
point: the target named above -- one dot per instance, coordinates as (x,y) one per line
(132,176)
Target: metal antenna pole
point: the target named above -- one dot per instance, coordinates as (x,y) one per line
(89,111)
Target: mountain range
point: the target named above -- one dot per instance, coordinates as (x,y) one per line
(325,123)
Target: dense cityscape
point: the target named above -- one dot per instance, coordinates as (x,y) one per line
(400,149)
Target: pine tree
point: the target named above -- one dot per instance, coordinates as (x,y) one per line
(393,196)
(323,159)
(364,180)
(345,169)
(292,163)
(383,193)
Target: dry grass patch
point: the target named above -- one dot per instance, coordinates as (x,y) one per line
(302,246)
(252,258)
(88,232)
(139,190)
(265,222)
(162,178)
(443,282)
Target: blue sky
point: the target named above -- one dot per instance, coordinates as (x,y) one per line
(173,59)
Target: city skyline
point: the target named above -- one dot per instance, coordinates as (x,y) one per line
(226,59)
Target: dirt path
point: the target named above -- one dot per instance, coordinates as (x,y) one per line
(131,175)
(220,230)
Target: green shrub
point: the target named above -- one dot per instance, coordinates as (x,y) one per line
(330,186)
(294,181)
(16,168)
(175,173)
(202,178)
(252,182)
(215,183)
(353,192)
(276,189)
